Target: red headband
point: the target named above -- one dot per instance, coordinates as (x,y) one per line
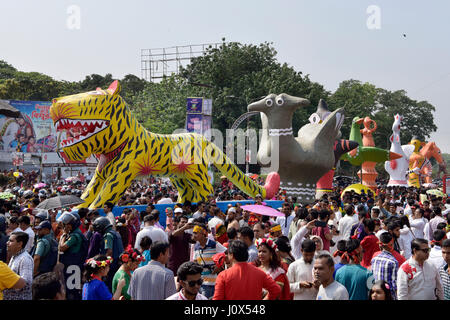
(268,241)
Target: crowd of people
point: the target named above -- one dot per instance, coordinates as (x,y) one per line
(391,244)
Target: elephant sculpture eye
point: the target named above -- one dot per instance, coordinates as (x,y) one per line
(314,118)
(280,101)
(269,102)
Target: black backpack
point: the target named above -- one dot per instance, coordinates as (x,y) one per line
(80,257)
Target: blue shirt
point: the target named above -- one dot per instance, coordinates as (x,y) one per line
(354,278)
(147,257)
(96,290)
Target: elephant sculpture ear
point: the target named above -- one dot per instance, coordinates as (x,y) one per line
(114,88)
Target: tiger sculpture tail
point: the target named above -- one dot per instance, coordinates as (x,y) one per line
(99,122)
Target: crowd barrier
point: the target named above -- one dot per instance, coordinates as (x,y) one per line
(222,205)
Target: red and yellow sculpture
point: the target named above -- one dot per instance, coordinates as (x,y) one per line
(420,168)
(368,172)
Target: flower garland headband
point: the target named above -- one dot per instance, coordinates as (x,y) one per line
(268,241)
(94,263)
(130,253)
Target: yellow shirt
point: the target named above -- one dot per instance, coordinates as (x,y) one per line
(8,278)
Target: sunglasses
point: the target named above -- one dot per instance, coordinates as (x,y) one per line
(193,282)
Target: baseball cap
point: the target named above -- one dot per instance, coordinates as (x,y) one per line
(44,224)
(232,209)
(178,210)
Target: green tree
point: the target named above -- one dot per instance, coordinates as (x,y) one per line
(29,86)
(7,71)
(161,107)
(417,121)
(247,73)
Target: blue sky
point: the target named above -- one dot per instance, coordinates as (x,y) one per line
(329,40)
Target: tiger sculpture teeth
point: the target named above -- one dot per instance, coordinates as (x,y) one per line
(99,122)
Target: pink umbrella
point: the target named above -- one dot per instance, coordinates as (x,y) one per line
(262,210)
(40,185)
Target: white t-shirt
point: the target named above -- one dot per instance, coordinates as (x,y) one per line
(30,242)
(180,296)
(417,226)
(111,219)
(154,233)
(345,225)
(213,222)
(165,201)
(197,214)
(334,291)
(285,226)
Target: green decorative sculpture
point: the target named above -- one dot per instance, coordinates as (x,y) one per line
(363,153)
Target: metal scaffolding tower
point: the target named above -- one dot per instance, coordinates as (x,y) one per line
(159,62)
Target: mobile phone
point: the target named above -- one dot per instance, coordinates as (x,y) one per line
(322,224)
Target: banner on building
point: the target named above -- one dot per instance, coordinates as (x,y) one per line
(32,135)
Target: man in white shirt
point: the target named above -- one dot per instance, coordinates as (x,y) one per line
(417,223)
(329,289)
(200,209)
(165,200)
(156,234)
(436,257)
(107,208)
(434,222)
(300,274)
(189,276)
(418,279)
(299,237)
(24,225)
(346,223)
(215,220)
(285,222)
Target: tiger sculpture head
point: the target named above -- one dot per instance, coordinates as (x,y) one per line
(93,122)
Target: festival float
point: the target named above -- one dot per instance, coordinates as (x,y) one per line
(99,122)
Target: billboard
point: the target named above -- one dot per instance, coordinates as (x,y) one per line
(33,133)
(446,184)
(198,116)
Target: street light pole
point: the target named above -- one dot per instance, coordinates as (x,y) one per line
(247,142)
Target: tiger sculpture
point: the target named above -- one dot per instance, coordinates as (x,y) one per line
(99,122)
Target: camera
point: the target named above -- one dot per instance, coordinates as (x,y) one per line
(322,224)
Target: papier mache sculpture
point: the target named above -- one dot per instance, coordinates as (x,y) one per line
(325,183)
(420,168)
(364,153)
(99,122)
(398,168)
(303,159)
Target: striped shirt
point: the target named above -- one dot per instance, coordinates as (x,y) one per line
(152,282)
(445,279)
(385,267)
(204,257)
(23,265)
